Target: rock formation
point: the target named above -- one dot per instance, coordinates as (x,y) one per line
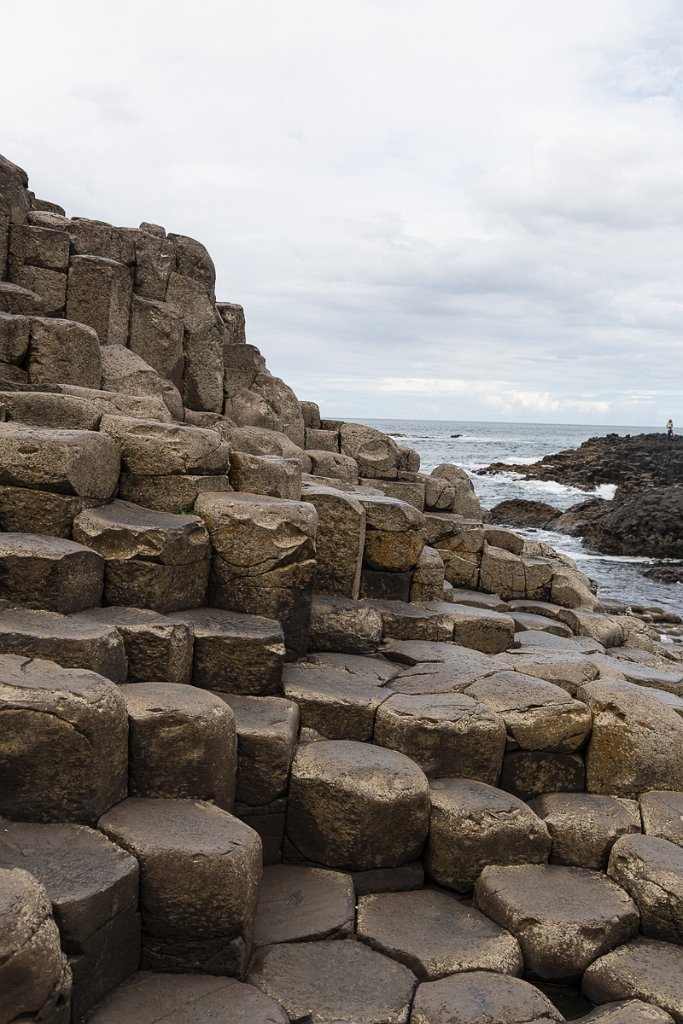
(288,732)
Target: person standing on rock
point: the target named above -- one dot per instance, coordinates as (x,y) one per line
(669,430)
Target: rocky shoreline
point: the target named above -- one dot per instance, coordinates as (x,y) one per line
(289,730)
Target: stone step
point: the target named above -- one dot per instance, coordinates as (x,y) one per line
(93,887)
(200,869)
(585,826)
(343,625)
(18,300)
(72,641)
(151,559)
(156,998)
(340,539)
(301,904)
(651,872)
(662,815)
(197,727)
(63,742)
(153,448)
(49,573)
(644,969)
(336,705)
(156,647)
(78,462)
(394,533)
(527,620)
(568,669)
(233,652)
(478,996)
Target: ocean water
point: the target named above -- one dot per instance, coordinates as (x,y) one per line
(481,443)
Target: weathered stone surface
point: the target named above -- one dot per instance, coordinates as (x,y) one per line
(154,998)
(34,976)
(311,980)
(564,918)
(310,412)
(63,352)
(428,576)
(340,624)
(662,815)
(156,647)
(340,540)
(527,620)
(446,733)
(651,871)
(266,730)
(26,511)
(156,335)
(266,474)
(37,408)
(607,629)
(474,825)
(170,493)
(149,448)
(402,621)
(15,333)
(49,573)
(401,879)
(300,904)
(410,492)
(332,465)
(629,1011)
(154,260)
(49,285)
(68,640)
(234,653)
(537,715)
(125,372)
(264,558)
(93,887)
(480,997)
(465,501)
(641,969)
(97,238)
(232,315)
(533,640)
(385,586)
(66,461)
(199,729)
(337,705)
(584,826)
(479,628)
(63,742)
(99,295)
(193,260)
(260,441)
(269,823)
(435,935)
(202,344)
(354,806)
(636,743)
(567,669)
(376,670)
(322,440)
(530,773)
(394,533)
(376,453)
(200,870)
(17,300)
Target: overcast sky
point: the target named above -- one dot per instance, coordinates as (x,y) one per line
(438,209)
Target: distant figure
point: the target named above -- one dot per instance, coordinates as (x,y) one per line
(670,430)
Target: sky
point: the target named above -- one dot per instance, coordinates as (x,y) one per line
(428,208)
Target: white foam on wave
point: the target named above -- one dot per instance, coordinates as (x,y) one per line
(606,491)
(519,460)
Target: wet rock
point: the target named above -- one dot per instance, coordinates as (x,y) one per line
(474,825)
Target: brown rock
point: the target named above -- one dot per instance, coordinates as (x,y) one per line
(172,493)
(267,729)
(301,904)
(63,352)
(156,647)
(337,705)
(394,534)
(662,815)
(584,826)
(651,871)
(641,969)
(49,573)
(156,335)
(266,474)
(99,295)
(340,540)
(70,641)
(66,461)
(376,453)
(339,624)
(465,502)
(202,345)
(149,448)
(480,996)
(530,773)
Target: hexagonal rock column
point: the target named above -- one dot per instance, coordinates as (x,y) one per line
(93,887)
(334,981)
(564,918)
(156,647)
(530,773)
(49,573)
(537,715)
(71,641)
(651,871)
(300,903)
(200,871)
(584,826)
(172,998)
(338,705)
(662,815)
(63,742)
(480,996)
(394,533)
(182,743)
(339,624)
(647,735)
(64,352)
(355,806)
(267,730)
(474,825)
(99,295)
(627,1011)
(264,559)
(79,462)
(150,448)
(641,969)
(376,453)
(35,980)
(340,540)
(234,653)
(446,733)
(152,559)
(434,934)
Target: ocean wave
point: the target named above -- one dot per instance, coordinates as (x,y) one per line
(520,460)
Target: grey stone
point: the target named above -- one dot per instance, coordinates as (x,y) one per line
(301,904)
(584,826)
(69,640)
(481,997)
(65,461)
(530,773)
(99,295)
(651,871)
(49,573)
(267,729)
(337,705)
(662,815)
(150,448)
(170,493)
(641,969)
(63,352)
(340,624)
(340,540)
(156,335)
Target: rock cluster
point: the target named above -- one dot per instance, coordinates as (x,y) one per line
(287,731)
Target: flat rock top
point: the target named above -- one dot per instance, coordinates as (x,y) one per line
(259,715)
(372,670)
(334,982)
(604,811)
(134,517)
(159,826)
(309,679)
(534,638)
(186,999)
(50,682)
(413,652)
(642,855)
(628,1011)
(438,708)
(434,934)
(33,545)
(298,903)
(514,691)
(51,624)
(644,969)
(469,799)
(570,895)
(481,997)
(212,622)
(376,771)
(150,700)
(448,676)
(118,615)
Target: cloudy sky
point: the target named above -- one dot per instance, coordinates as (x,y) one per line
(429,208)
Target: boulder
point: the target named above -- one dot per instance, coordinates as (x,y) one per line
(474,825)
(354,806)
(333,465)
(465,502)
(266,474)
(394,534)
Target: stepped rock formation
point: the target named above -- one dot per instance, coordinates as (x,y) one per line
(288,732)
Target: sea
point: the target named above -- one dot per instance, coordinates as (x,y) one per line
(475,445)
